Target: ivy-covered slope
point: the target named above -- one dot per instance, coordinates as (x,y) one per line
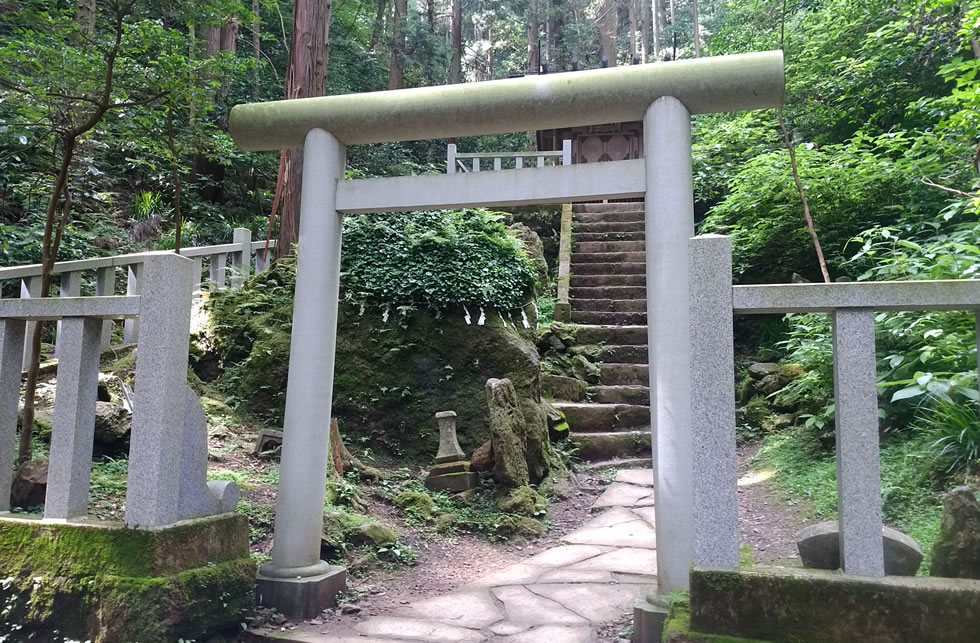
(434,305)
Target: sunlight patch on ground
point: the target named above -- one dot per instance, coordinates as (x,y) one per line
(755,477)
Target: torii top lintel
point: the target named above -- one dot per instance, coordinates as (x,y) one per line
(592,97)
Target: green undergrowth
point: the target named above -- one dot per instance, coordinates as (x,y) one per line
(910,493)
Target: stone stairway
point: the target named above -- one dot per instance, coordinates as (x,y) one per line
(611,422)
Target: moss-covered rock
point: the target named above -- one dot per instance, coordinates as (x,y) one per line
(107,583)
(394,369)
(445,522)
(417,504)
(956,553)
(510,525)
(523,500)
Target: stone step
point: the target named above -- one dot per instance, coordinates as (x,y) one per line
(608,318)
(609,217)
(615,463)
(619,394)
(606,334)
(609,246)
(610,257)
(609,236)
(585,417)
(617,354)
(611,226)
(623,206)
(624,374)
(610,305)
(593,281)
(608,292)
(614,268)
(559,387)
(616,444)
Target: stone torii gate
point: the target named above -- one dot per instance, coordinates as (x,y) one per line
(664,96)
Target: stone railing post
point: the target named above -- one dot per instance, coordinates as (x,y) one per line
(566,152)
(29,287)
(669,225)
(12,332)
(73,429)
(153,486)
(858,457)
(563,307)
(198,272)
(217,270)
(262,259)
(715,476)
(134,281)
(71,286)
(451,158)
(241,260)
(105,286)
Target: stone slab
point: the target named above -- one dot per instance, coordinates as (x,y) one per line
(594,602)
(394,627)
(621,494)
(819,547)
(452,482)
(304,597)
(518,574)
(472,608)
(523,605)
(635,533)
(553,634)
(642,477)
(649,514)
(611,517)
(627,560)
(566,555)
(461,466)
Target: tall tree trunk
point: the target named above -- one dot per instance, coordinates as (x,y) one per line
(557,56)
(396,66)
(697,29)
(645,14)
(456,64)
(379,24)
(608,21)
(673,15)
(85,14)
(256,47)
(633,30)
(659,22)
(533,31)
(305,77)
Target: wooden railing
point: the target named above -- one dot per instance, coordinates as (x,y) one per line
(233,259)
(481,161)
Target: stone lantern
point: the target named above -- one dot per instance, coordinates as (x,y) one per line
(452,470)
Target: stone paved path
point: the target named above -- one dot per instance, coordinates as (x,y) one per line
(560,595)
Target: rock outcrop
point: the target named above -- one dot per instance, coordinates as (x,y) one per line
(956,553)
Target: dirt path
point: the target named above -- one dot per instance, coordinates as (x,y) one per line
(767,520)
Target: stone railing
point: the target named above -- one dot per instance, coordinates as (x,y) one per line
(235,258)
(168,443)
(505,160)
(712,302)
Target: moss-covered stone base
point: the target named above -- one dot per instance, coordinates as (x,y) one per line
(103,582)
(678,628)
(785,604)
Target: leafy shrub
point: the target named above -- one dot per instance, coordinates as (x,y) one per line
(434,259)
(955,433)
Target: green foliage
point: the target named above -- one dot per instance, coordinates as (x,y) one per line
(955,431)
(434,259)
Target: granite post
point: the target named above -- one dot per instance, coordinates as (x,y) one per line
(105,286)
(153,487)
(713,402)
(858,465)
(12,333)
(71,286)
(73,429)
(134,286)
(241,260)
(669,224)
(29,287)
(296,581)
(217,270)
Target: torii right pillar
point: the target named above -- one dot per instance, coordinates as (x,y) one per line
(669,225)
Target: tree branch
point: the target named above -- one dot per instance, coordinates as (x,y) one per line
(971,195)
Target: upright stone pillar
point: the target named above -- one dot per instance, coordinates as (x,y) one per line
(153,485)
(241,261)
(296,581)
(669,225)
(105,286)
(134,286)
(29,287)
(11,359)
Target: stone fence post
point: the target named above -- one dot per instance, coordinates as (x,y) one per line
(713,402)
(153,489)
(241,260)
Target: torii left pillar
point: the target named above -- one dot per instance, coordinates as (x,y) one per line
(296,582)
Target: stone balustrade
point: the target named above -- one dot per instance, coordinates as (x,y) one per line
(456,161)
(712,303)
(228,265)
(168,443)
